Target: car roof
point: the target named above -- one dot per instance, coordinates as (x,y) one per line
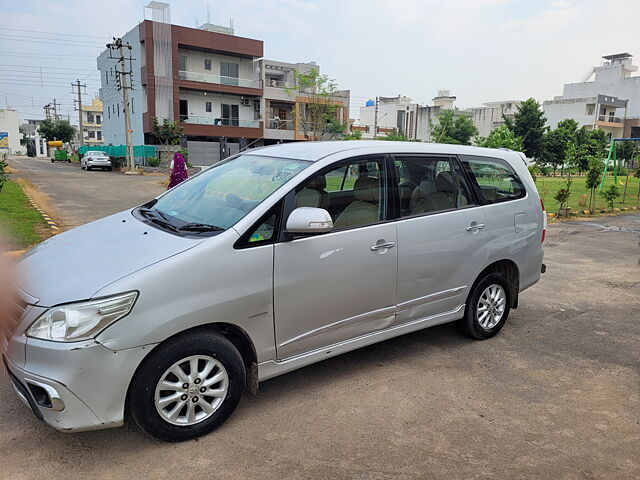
(314,151)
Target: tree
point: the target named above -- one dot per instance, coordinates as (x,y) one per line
(60,130)
(593,179)
(453,129)
(317,114)
(529,123)
(167,133)
(610,195)
(501,137)
(396,136)
(562,195)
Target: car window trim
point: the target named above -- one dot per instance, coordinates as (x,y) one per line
(243,242)
(289,204)
(453,159)
(464,160)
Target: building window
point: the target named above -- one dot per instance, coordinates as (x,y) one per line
(98,119)
(182,62)
(591,108)
(207,107)
(106,77)
(229,73)
(230,115)
(92,134)
(207,64)
(90,118)
(99,134)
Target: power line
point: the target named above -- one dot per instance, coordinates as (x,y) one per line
(48,39)
(55,33)
(48,43)
(49,68)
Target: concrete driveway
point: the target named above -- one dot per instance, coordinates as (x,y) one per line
(555,395)
(80,197)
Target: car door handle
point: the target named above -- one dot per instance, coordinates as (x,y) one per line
(475,227)
(380,246)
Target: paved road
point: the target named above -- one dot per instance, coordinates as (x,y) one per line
(80,196)
(555,395)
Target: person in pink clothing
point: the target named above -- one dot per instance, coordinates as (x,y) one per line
(178,170)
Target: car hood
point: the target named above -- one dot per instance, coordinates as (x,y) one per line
(74,265)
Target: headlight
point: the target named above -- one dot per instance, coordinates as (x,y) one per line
(81,321)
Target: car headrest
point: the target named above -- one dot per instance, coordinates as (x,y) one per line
(366,189)
(319,182)
(444,182)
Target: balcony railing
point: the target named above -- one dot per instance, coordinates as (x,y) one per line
(219,79)
(222,122)
(279,124)
(610,119)
(272,82)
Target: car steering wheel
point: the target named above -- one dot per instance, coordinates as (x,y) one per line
(234,201)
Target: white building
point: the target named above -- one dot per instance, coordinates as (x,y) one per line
(395,114)
(10,135)
(491,115)
(92,123)
(38,144)
(611,101)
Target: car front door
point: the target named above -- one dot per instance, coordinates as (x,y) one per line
(441,234)
(331,287)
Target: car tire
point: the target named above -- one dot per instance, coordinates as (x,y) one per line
(109,169)
(81,167)
(487,307)
(148,402)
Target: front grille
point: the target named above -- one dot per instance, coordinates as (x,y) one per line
(9,325)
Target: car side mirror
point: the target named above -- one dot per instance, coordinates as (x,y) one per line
(309,220)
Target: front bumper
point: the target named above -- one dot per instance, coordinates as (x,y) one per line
(98,164)
(75,387)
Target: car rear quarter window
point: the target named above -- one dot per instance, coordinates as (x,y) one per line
(495,180)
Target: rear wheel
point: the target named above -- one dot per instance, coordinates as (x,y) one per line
(487,307)
(187,387)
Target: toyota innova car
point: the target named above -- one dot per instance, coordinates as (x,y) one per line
(268,261)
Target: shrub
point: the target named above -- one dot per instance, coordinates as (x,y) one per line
(3,175)
(153,161)
(562,195)
(610,195)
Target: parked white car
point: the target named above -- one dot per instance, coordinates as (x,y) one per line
(95,159)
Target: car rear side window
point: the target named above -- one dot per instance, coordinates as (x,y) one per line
(429,184)
(496,180)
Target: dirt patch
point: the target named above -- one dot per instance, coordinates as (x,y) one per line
(42,200)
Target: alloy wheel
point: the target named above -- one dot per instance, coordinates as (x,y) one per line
(191,390)
(491,306)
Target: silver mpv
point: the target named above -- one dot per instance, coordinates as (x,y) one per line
(266,262)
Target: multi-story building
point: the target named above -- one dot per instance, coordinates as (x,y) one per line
(92,123)
(208,80)
(284,101)
(36,145)
(492,114)
(610,102)
(10,135)
(395,115)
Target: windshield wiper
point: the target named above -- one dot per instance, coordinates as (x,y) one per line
(199,227)
(153,214)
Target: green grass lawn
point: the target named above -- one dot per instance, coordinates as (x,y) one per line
(549,186)
(19,221)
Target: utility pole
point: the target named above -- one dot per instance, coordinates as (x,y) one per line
(47,111)
(77,85)
(375,122)
(55,110)
(124,84)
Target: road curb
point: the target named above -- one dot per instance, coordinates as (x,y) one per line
(52,225)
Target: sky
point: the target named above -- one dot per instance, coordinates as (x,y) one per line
(480,50)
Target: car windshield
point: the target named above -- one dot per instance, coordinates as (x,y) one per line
(220,196)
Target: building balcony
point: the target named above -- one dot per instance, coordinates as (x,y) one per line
(610,119)
(218,79)
(220,127)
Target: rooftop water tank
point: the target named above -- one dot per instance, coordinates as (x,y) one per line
(370,103)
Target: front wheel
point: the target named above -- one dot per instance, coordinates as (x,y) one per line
(187,386)
(487,307)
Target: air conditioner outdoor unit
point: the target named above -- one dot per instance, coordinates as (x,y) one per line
(245,101)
